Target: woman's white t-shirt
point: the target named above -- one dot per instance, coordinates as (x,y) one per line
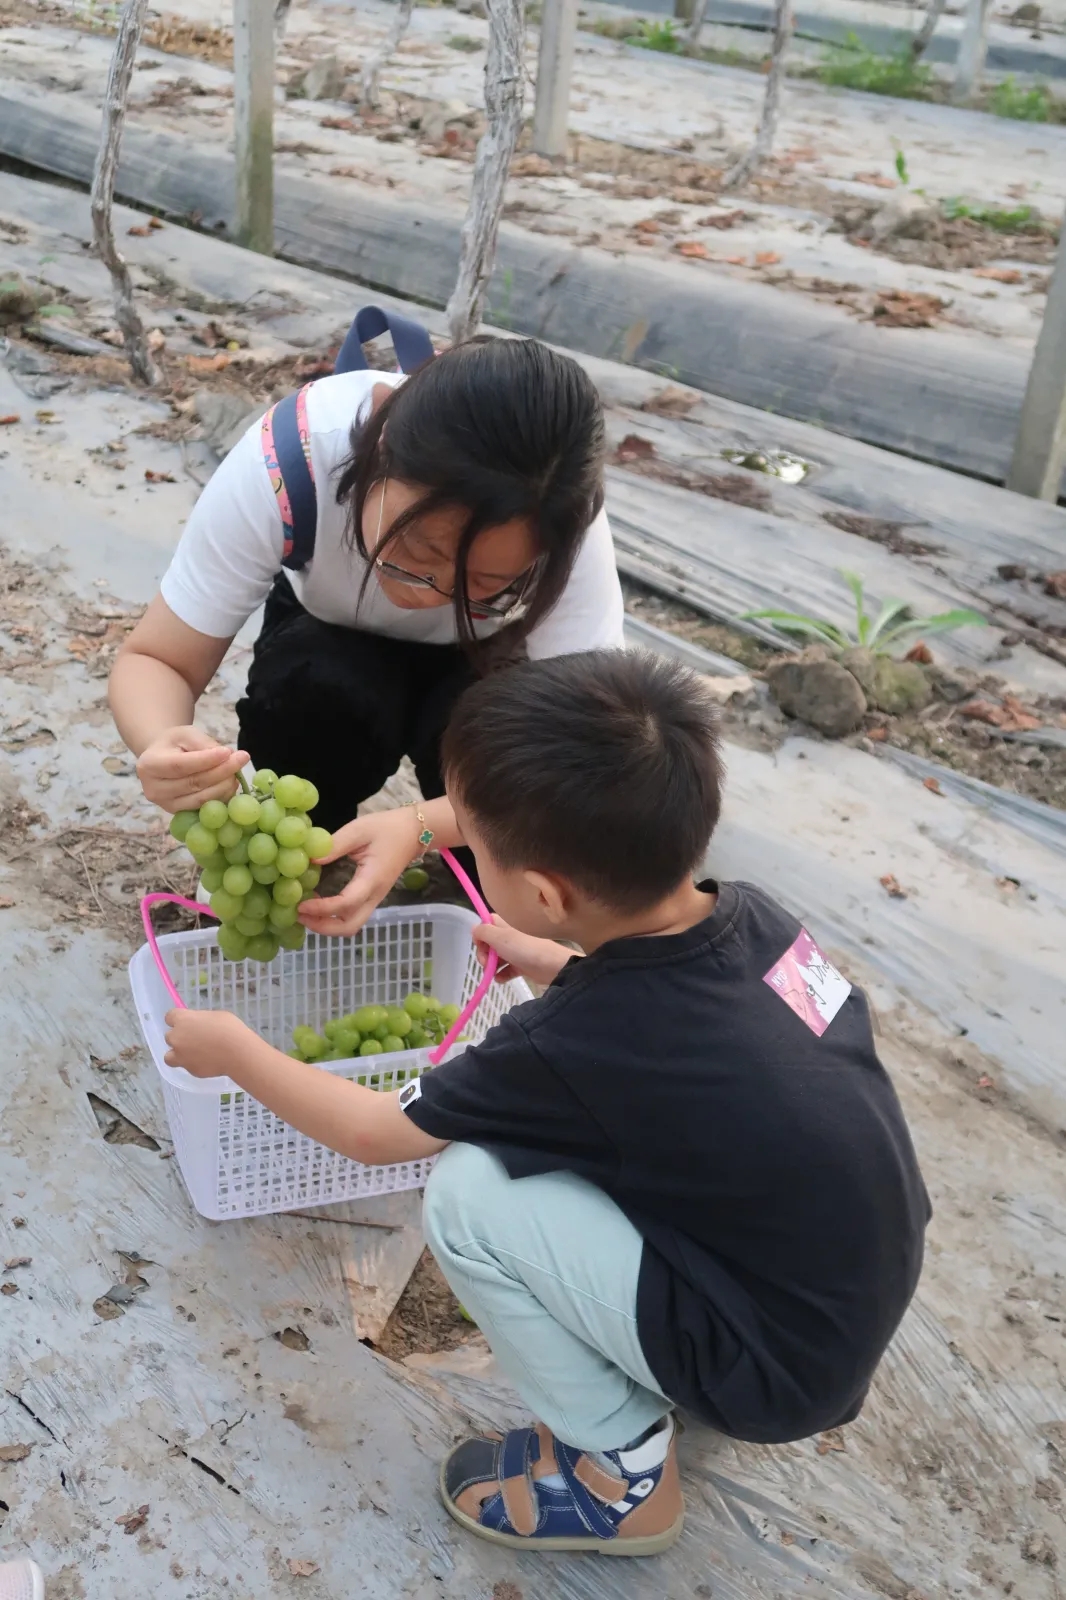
(230,551)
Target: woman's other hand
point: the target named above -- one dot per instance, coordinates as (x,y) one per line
(381,846)
(183,767)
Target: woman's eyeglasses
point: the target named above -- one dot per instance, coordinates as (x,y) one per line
(505,605)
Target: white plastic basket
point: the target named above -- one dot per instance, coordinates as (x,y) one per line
(237,1158)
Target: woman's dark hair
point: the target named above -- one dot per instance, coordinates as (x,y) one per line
(503,427)
(603,767)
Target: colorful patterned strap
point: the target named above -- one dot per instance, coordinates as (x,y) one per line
(286,441)
(286,434)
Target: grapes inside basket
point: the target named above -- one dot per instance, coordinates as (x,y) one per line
(416,1023)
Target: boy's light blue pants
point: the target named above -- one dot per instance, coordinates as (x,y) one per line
(547,1267)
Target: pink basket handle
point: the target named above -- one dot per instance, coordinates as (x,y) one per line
(465,882)
(147,903)
(437,1054)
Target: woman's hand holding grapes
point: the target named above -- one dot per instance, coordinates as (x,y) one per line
(185,767)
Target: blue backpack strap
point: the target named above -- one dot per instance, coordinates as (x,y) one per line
(286,442)
(286,435)
(410,340)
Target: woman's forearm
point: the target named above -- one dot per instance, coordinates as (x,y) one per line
(441,820)
(147,697)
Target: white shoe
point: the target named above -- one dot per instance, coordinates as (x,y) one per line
(21,1580)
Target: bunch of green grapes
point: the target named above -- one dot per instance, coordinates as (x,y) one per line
(374,1030)
(256,857)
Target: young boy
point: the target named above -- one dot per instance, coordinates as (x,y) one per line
(682,1177)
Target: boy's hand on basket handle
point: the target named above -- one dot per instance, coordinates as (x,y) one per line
(522,955)
(205,1043)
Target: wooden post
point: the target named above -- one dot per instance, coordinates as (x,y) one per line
(253,118)
(1040,448)
(920,42)
(369,81)
(116,94)
(973,48)
(763,143)
(695,27)
(504,83)
(555,62)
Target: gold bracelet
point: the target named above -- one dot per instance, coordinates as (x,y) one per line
(425,837)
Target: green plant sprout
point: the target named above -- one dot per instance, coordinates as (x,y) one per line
(893,623)
(1005,219)
(1010,99)
(901,167)
(659,36)
(850,65)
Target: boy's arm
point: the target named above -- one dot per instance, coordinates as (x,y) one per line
(358,1122)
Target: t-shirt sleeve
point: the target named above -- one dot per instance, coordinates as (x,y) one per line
(589,613)
(502,1094)
(231,549)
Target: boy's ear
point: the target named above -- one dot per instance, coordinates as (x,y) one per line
(553,895)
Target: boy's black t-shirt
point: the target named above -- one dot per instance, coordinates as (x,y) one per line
(758,1147)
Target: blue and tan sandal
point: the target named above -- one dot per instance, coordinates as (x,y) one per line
(530,1491)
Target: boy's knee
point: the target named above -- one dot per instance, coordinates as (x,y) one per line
(459,1194)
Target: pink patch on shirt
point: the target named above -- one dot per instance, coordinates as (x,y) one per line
(809,984)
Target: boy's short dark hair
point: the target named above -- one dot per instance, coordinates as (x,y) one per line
(603,767)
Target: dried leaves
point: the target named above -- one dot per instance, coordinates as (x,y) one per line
(723,219)
(133,1521)
(672,402)
(906,308)
(1010,716)
(891,885)
(634,448)
(202,364)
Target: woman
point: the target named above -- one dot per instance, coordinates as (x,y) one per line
(460,521)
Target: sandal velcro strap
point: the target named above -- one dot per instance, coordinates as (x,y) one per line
(606,1486)
(588,1507)
(516,1480)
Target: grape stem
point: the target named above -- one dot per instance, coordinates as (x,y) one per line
(243,781)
